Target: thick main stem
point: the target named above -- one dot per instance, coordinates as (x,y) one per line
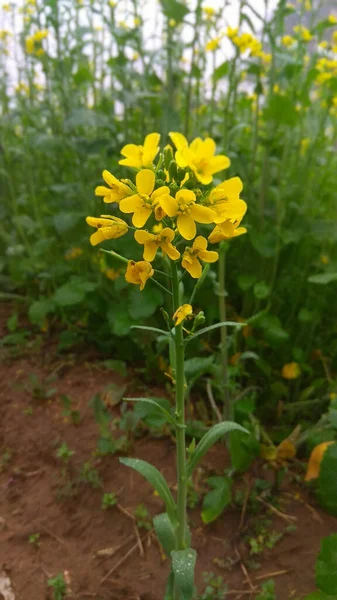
(180,417)
(223,332)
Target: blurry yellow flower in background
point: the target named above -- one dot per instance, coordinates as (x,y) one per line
(118,189)
(152,242)
(141,156)
(109,228)
(184,207)
(303,32)
(138,272)
(181,313)
(197,252)
(225,231)
(199,157)
(146,200)
(209,12)
(288,40)
(73,253)
(332,19)
(304,144)
(172,23)
(213,44)
(112,274)
(324,259)
(291,370)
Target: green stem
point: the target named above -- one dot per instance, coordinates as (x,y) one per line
(180,417)
(223,332)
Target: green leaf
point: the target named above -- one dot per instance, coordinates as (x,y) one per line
(198,366)
(216,326)
(216,500)
(153,476)
(174,10)
(318,596)
(154,329)
(281,109)
(65,221)
(323,278)
(327,480)
(144,304)
(38,310)
(261,290)
(155,404)
(209,439)
(169,590)
(119,320)
(183,565)
(243,450)
(326,565)
(246,281)
(221,71)
(165,532)
(73,292)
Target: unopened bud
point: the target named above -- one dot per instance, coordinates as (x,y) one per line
(168,155)
(199,319)
(172,169)
(173,188)
(180,174)
(161,174)
(160,182)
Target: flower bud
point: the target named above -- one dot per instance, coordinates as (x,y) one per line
(200,319)
(168,155)
(161,174)
(160,182)
(172,169)
(173,188)
(180,174)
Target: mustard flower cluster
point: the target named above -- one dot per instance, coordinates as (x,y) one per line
(167,203)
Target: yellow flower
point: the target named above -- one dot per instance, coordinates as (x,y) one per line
(332,19)
(141,156)
(291,371)
(138,272)
(225,201)
(198,251)
(209,11)
(334,37)
(73,253)
(152,242)
(39,52)
(232,32)
(172,23)
(29,45)
(187,211)
(304,146)
(213,44)
(109,228)
(316,457)
(40,35)
(303,32)
(324,259)
(181,313)
(146,200)
(111,274)
(199,157)
(118,189)
(137,22)
(225,231)
(288,40)
(323,45)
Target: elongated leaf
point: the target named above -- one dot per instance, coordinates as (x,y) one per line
(323,278)
(153,403)
(209,439)
(169,590)
(216,326)
(183,565)
(326,566)
(154,329)
(165,532)
(156,479)
(216,500)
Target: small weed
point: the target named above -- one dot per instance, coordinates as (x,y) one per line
(215,588)
(88,474)
(58,586)
(144,520)
(34,539)
(267,591)
(68,412)
(28,411)
(109,499)
(39,389)
(5,459)
(64,453)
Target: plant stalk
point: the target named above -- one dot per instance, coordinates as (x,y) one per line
(180,417)
(223,333)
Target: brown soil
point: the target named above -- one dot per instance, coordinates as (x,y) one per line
(74,529)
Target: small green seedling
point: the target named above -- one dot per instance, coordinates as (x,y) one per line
(109,499)
(58,586)
(143,517)
(64,453)
(34,539)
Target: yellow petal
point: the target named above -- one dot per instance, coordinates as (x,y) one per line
(194,268)
(182,158)
(129,205)
(170,250)
(161,191)
(208,147)
(181,313)
(240,231)
(110,179)
(202,214)
(185,196)
(97,237)
(150,149)
(186,226)
(145,181)
(168,233)
(291,370)
(169,205)
(101,190)
(142,236)
(140,216)
(315,460)
(219,163)
(208,256)
(229,210)
(178,139)
(200,243)
(150,250)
